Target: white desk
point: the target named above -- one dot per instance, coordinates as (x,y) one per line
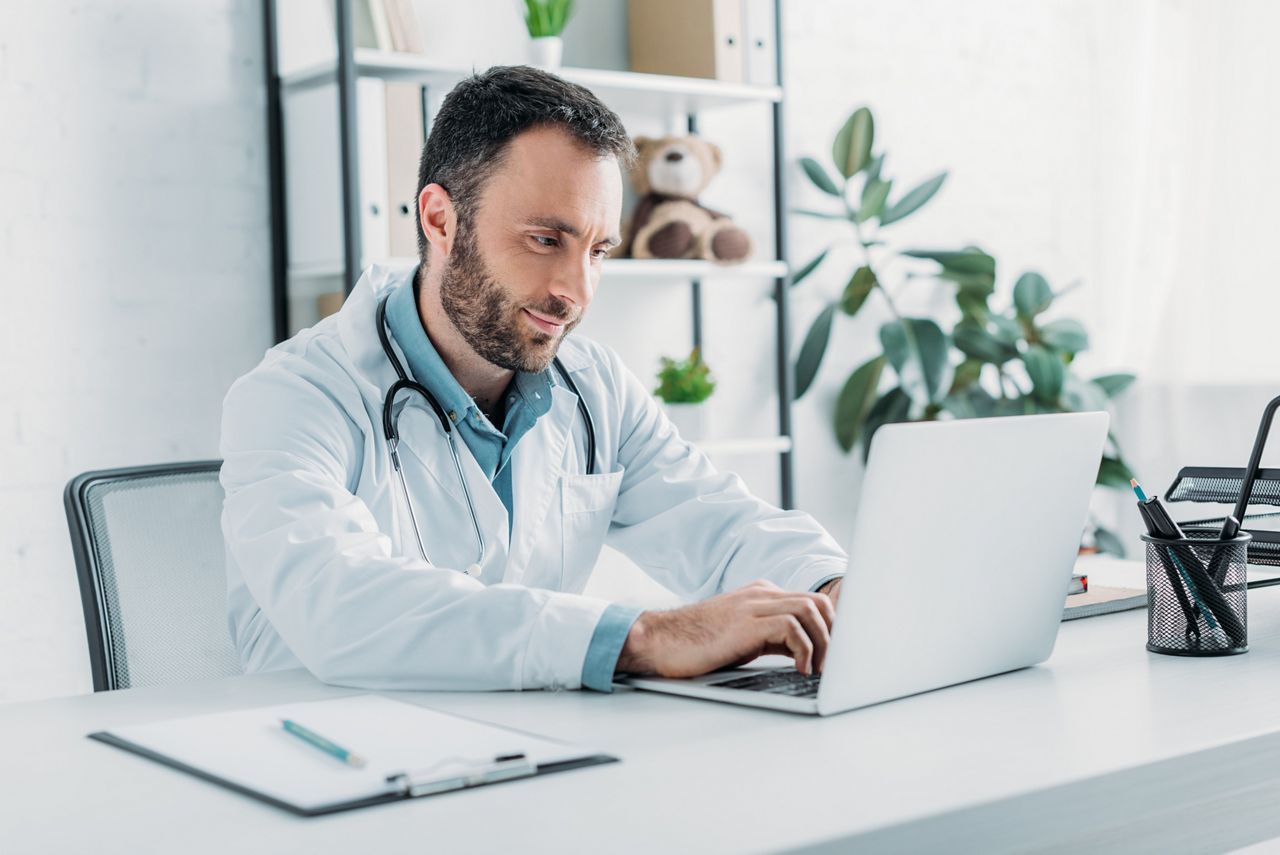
(1104,748)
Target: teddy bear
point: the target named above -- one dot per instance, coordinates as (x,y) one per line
(668,222)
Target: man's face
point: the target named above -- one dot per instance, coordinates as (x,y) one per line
(521,274)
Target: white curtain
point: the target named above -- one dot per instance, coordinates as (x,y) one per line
(1185,142)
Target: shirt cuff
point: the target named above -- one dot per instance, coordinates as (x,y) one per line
(606,646)
(823,581)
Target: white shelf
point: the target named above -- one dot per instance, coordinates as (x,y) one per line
(614,268)
(624,91)
(653,268)
(764,445)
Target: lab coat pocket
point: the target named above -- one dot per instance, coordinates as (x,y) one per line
(586,509)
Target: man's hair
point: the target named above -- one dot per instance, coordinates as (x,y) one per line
(483,113)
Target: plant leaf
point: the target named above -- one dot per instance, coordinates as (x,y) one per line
(1107,541)
(1066,335)
(1081,396)
(953,261)
(851,150)
(1114,384)
(967,374)
(1114,473)
(818,175)
(874,167)
(931,358)
(801,274)
(824,215)
(914,199)
(855,293)
(893,406)
(1031,295)
(973,306)
(1007,330)
(874,194)
(815,345)
(982,284)
(855,400)
(1047,373)
(974,341)
(971,403)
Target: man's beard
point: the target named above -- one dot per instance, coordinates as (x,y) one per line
(489,320)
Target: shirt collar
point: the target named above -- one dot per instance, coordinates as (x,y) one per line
(428,368)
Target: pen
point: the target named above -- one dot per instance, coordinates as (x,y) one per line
(314,739)
(1208,598)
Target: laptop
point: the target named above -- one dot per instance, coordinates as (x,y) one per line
(963,549)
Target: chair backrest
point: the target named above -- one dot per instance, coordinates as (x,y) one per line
(149,554)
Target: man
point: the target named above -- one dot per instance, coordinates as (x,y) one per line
(446,544)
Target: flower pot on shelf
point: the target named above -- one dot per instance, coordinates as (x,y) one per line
(691,420)
(545,51)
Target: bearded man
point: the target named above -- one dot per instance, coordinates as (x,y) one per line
(418,487)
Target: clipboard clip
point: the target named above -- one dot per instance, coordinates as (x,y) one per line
(459,774)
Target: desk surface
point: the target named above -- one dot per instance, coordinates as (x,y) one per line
(1104,746)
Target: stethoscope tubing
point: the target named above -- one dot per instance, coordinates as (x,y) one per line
(390,430)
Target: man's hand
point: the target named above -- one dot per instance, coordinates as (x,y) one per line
(731,629)
(832,590)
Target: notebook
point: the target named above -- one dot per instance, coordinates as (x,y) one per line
(409,751)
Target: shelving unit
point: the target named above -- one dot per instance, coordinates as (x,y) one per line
(625,92)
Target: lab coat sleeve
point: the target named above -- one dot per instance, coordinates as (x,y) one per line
(697,531)
(331,584)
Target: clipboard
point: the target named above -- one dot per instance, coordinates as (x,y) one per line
(411,751)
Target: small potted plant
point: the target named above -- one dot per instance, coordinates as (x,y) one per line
(684,386)
(546,20)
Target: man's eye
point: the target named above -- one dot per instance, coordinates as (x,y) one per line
(543,240)
(600,253)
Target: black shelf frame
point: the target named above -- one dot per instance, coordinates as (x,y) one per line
(349,157)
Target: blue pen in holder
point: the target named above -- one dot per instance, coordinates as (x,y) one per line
(1197,601)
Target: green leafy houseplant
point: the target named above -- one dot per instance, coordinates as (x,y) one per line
(685,381)
(547,17)
(995,360)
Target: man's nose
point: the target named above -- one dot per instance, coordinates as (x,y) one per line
(574,282)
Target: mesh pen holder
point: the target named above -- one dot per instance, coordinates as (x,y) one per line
(1196,595)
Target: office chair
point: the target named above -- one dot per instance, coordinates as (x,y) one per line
(149,556)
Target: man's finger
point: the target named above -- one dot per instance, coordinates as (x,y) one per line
(805,609)
(788,630)
(827,606)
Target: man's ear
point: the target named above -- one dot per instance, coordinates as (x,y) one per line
(437,218)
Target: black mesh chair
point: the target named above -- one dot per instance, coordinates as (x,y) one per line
(149,554)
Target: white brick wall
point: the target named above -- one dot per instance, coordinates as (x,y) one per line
(134,273)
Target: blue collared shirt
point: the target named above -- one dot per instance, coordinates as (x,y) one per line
(528,399)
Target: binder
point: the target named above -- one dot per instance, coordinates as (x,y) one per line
(409,752)
(404,150)
(689,38)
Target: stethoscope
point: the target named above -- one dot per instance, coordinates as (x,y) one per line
(390,430)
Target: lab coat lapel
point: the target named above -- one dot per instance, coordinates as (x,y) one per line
(424,445)
(539,463)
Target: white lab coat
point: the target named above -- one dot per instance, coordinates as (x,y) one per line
(322,567)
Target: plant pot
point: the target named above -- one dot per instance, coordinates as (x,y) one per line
(691,420)
(545,51)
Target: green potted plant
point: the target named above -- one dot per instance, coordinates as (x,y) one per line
(546,20)
(683,387)
(996,360)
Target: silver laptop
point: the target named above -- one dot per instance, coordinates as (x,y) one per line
(966,535)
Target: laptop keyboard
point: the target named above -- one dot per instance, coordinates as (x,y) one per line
(780,682)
